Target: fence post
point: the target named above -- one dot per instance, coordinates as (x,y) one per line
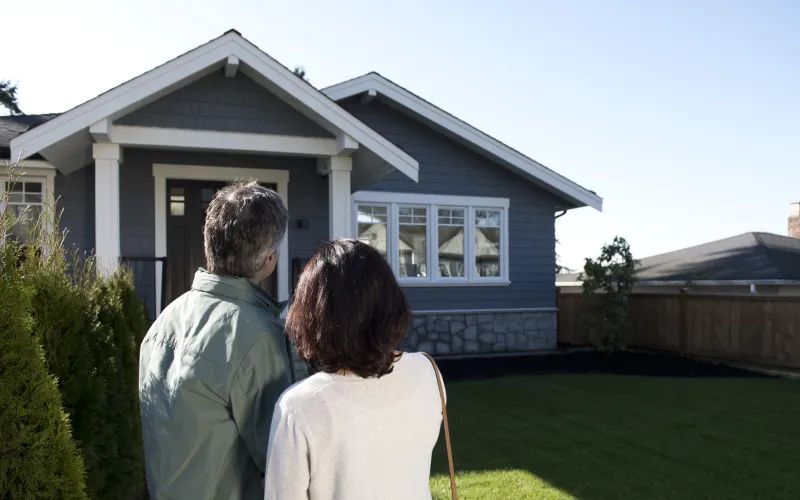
(683,328)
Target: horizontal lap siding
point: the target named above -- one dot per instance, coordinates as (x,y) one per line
(227,104)
(75,194)
(448,168)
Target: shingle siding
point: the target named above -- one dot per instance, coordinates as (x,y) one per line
(75,194)
(449,168)
(227,104)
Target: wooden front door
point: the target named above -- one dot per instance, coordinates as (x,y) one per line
(187,202)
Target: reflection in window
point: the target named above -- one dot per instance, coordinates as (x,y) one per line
(413,246)
(372,225)
(177,202)
(487,243)
(25,203)
(451,243)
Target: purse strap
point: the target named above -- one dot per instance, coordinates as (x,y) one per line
(453,488)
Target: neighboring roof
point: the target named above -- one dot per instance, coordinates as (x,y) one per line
(14,125)
(747,257)
(469,135)
(66,143)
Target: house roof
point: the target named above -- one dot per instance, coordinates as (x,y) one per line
(468,135)
(66,142)
(14,125)
(746,257)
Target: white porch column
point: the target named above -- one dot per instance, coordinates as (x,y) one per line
(338,169)
(107,158)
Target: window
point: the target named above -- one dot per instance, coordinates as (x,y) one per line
(433,240)
(452,253)
(25,199)
(372,226)
(412,242)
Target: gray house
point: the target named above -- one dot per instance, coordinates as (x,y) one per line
(466,222)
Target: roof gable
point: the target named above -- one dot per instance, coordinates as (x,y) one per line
(66,142)
(376,85)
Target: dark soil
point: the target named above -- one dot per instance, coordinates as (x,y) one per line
(627,363)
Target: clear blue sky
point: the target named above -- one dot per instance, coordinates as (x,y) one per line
(684,115)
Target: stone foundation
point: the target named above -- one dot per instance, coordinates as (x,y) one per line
(483,332)
(473,333)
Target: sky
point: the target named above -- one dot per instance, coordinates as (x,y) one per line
(684,115)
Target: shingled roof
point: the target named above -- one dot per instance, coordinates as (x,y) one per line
(746,257)
(12,126)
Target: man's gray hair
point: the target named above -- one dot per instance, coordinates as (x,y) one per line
(244,223)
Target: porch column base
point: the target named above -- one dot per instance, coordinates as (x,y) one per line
(107,158)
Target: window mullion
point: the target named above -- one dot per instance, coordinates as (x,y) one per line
(433,242)
(394,240)
(469,243)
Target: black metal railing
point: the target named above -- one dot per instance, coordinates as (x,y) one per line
(144,271)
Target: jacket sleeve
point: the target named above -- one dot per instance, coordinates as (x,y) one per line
(288,461)
(262,376)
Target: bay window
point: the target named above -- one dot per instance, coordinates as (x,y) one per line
(437,240)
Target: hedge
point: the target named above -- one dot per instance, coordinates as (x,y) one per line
(60,316)
(90,328)
(38,457)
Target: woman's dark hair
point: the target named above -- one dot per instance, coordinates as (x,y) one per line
(348,312)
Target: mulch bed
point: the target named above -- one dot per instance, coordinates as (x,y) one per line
(627,363)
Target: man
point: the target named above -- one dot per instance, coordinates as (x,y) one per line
(214,363)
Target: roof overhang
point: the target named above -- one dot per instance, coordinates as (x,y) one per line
(373,84)
(66,141)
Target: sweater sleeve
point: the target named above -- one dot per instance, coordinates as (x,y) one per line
(288,471)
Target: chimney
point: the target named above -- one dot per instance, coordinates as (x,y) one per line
(794,220)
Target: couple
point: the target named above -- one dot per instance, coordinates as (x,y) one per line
(218,416)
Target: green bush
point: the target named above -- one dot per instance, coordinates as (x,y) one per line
(38,457)
(90,328)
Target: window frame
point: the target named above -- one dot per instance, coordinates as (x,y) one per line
(29,171)
(433,203)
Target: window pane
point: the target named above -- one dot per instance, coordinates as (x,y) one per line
(451,252)
(15,187)
(33,187)
(176,208)
(16,197)
(372,227)
(33,197)
(28,218)
(487,243)
(413,251)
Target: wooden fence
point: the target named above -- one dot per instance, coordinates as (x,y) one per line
(754,329)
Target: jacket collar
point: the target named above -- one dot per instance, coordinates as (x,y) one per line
(236,288)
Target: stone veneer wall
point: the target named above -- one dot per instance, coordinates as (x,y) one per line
(473,333)
(481,332)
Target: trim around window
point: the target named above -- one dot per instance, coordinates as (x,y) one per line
(406,228)
(29,172)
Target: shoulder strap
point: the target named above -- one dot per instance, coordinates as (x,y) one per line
(453,488)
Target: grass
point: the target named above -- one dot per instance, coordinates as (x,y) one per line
(594,437)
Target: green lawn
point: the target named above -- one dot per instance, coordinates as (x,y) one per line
(620,437)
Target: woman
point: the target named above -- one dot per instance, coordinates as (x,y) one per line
(364,426)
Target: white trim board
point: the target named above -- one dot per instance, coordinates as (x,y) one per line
(373,82)
(162,172)
(428,198)
(181,71)
(233,142)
